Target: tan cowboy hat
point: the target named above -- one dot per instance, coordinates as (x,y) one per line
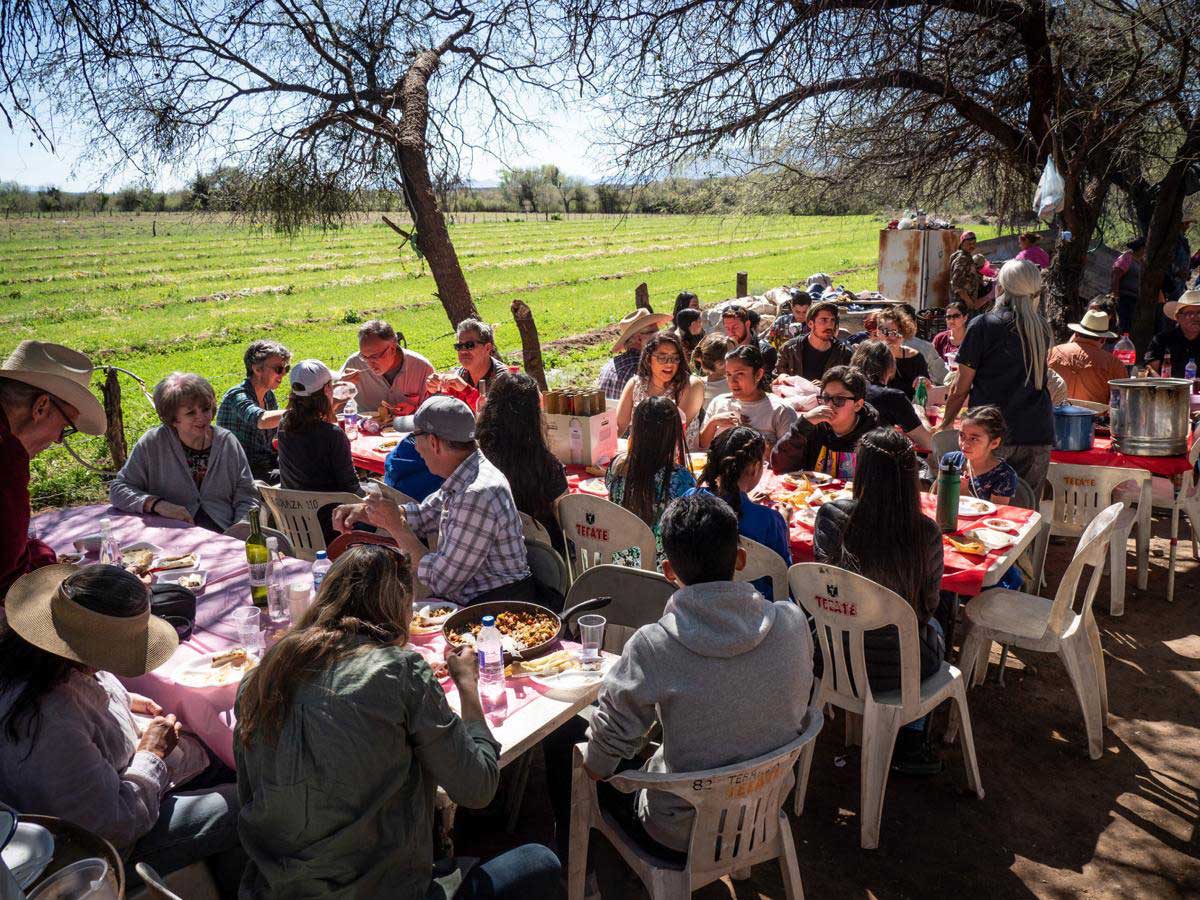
(1093,324)
(42,613)
(62,372)
(1189,298)
(638,320)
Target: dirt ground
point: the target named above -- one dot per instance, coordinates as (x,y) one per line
(1054,823)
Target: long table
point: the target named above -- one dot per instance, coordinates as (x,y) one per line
(365,452)
(1103,454)
(208,712)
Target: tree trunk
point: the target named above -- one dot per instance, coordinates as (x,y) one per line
(743,281)
(431,238)
(531,345)
(114,432)
(1062,281)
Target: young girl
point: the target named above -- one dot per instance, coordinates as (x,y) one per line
(734,467)
(985,475)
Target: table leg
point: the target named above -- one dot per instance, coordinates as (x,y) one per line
(1143,539)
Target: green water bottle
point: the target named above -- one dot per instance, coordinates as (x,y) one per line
(921,394)
(947,497)
(259,559)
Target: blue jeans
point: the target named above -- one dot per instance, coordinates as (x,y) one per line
(191,826)
(527,873)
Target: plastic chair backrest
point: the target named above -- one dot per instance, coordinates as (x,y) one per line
(546,566)
(1080,493)
(397,497)
(1090,551)
(761,561)
(241,531)
(1024,497)
(943,442)
(155,886)
(534,530)
(295,513)
(737,807)
(595,528)
(637,597)
(845,607)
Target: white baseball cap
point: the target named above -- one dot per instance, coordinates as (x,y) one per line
(309,376)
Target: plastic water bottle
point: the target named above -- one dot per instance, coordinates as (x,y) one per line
(491,670)
(350,411)
(110,547)
(1189,372)
(277,598)
(319,567)
(1126,353)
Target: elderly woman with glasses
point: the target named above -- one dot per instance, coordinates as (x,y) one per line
(187,468)
(477,365)
(251,411)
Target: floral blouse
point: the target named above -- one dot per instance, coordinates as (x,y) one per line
(679,483)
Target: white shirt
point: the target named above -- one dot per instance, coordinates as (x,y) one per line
(407,391)
(770,416)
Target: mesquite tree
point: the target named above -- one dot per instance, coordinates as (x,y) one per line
(313,99)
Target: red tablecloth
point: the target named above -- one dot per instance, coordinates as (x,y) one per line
(365,452)
(1102,454)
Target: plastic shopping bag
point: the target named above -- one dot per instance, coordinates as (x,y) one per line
(1050,190)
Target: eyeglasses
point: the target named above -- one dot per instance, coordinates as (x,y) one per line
(375,357)
(280,370)
(950,316)
(889,332)
(837,401)
(69,428)
(466,345)
(1188,314)
(665,359)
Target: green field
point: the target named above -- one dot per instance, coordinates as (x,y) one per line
(192,295)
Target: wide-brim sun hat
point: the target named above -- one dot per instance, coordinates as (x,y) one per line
(61,372)
(1094,324)
(638,320)
(41,612)
(1188,298)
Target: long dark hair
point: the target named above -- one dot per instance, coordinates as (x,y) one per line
(884,539)
(364,601)
(732,452)
(750,355)
(655,445)
(683,300)
(874,359)
(511,434)
(306,412)
(684,320)
(680,379)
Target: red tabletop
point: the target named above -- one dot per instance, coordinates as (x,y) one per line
(366,453)
(1102,454)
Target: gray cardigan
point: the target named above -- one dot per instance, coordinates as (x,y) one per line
(157,468)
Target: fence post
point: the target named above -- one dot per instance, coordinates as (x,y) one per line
(114,432)
(742,281)
(531,345)
(641,297)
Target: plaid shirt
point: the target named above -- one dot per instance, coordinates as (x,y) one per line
(617,371)
(239,413)
(481,544)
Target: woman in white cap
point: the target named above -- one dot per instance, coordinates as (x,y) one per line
(73,744)
(44,397)
(187,468)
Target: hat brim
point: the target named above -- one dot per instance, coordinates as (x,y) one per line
(1087,332)
(405,423)
(91,418)
(1172,308)
(657,320)
(28,607)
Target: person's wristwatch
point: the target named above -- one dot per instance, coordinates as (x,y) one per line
(154,505)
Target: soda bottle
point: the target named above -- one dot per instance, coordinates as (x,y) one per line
(319,567)
(947,497)
(259,559)
(1126,353)
(1165,370)
(350,411)
(491,670)
(1189,372)
(110,547)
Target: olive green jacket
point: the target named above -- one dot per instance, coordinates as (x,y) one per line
(342,805)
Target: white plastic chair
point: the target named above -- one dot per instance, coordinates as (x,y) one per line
(739,821)
(845,607)
(295,514)
(397,497)
(534,530)
(937,394)
(1184,499)
(594,529)
(1031,622)
(943,442)
(1078,495)
(762,561)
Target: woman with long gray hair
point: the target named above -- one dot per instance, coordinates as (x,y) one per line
(1002,362)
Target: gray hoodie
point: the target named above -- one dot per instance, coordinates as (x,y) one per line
(726,672)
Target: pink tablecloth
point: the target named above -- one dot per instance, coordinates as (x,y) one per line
(1102,454)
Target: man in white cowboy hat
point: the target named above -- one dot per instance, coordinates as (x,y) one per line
(44,396)
(1181,340)
(1083,362)
(636,329)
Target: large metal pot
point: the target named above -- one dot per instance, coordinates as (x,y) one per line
(1150,416)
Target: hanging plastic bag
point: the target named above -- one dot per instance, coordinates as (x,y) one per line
(1050,192)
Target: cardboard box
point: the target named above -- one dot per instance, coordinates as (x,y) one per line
(583,440)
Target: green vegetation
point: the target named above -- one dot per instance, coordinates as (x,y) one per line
(191,296)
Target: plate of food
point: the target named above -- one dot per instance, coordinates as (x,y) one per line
(551,664)
(594,486)
(215,670)
(990,538)
(965,544)
(167,563)
(818,478)
(387,446)
(192,579)
(806,515)
(568,682)
(428,618)
(527,630)
(973,506)
(1001,525)
(139,556)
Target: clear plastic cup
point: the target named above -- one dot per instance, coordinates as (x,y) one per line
(591,639)
(248,621)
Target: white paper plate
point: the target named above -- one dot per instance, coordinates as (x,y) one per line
(817,478)
(29,852)
(572,683)
(1000,525)
(173,576)
(970,507)
(594,486)
(438,622)
(990,538)
(163,555)
(192,674)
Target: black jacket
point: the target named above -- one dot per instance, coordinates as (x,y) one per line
(801,447)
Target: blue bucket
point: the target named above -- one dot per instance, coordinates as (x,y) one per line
(1074,428)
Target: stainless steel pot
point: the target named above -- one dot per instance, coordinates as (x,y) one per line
(1150,416)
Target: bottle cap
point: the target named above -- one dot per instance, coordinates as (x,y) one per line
(488,621)
(272,543)
(321,554)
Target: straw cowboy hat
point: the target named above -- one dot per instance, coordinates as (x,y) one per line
(62,372)
(638,320)
(1094,324)
(40,610)
(1189,298)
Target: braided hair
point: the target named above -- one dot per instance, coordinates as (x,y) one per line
(733,451)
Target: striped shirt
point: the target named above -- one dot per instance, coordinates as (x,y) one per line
(239,412)
(617,371)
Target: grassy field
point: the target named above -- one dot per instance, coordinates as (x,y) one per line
(191,295)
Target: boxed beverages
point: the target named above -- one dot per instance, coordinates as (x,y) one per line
(583,440)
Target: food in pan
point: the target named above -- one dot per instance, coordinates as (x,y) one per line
(520,630)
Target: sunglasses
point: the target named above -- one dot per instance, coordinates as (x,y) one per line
(68,429)
(950,316)
(280,370)
(837,401)
(467,345)
(665,359)
(889,332)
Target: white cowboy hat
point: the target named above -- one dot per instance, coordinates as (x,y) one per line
(640,319)
(62,372)
(1189,298)
(1094,324)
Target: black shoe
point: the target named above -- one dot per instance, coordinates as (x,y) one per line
(913,757)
